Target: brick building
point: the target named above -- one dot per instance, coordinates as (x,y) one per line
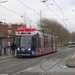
(8,30)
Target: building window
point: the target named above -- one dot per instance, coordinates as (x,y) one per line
(9,25)
(9,31)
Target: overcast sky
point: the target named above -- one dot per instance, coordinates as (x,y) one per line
(61,10)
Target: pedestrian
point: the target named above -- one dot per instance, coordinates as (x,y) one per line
(13,48)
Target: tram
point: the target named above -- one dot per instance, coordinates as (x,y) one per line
(31,42)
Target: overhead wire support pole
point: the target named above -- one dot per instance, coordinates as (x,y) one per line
(29,8)
(40,15)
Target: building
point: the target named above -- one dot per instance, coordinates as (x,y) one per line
(6,33)
(8,30)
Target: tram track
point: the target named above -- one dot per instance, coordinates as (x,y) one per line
(32,59)
(54,56)
(57,63)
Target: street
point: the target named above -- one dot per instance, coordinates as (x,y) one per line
(50,64)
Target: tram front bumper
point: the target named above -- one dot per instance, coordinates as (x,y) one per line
(23,54)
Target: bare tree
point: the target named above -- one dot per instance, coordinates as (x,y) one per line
(51,26)
(73,37)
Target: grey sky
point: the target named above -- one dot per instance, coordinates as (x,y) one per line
(12,10)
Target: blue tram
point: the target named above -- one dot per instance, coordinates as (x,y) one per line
(31,42)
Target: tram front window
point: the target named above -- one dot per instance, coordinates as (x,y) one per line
(24,41)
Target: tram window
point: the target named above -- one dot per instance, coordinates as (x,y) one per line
(39,43)
(51,41)
(46,42)
(18,41)
(34,42)
(55,43)
(33,38)
(25,41)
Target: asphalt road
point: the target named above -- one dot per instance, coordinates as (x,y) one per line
(51,64)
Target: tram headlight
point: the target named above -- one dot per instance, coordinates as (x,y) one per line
(29,49)
(18,49)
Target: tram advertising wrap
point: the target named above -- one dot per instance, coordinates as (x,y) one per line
(31,42)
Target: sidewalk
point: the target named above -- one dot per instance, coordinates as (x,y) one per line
(70,62)
(3,57)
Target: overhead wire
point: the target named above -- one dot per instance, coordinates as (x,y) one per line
(60,6)
(29,7)
(13,11)
(62,13)
(54,13)
(10,10)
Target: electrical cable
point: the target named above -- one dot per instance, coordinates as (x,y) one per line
(13,11)
(61,7)
(62,12)
(54,13)
(10,10)
(29,7)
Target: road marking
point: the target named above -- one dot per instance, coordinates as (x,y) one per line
(14,64)
(54,59)
(5,60)
(73,56)
(8,71)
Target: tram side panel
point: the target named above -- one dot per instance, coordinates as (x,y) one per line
(56,39)
(52,44)
(38,47)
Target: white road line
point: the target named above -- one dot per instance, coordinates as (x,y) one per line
(73,57)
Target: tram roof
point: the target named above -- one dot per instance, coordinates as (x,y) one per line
(26,29)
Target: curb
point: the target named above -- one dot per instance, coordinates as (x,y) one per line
(6,58)
(70,63)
